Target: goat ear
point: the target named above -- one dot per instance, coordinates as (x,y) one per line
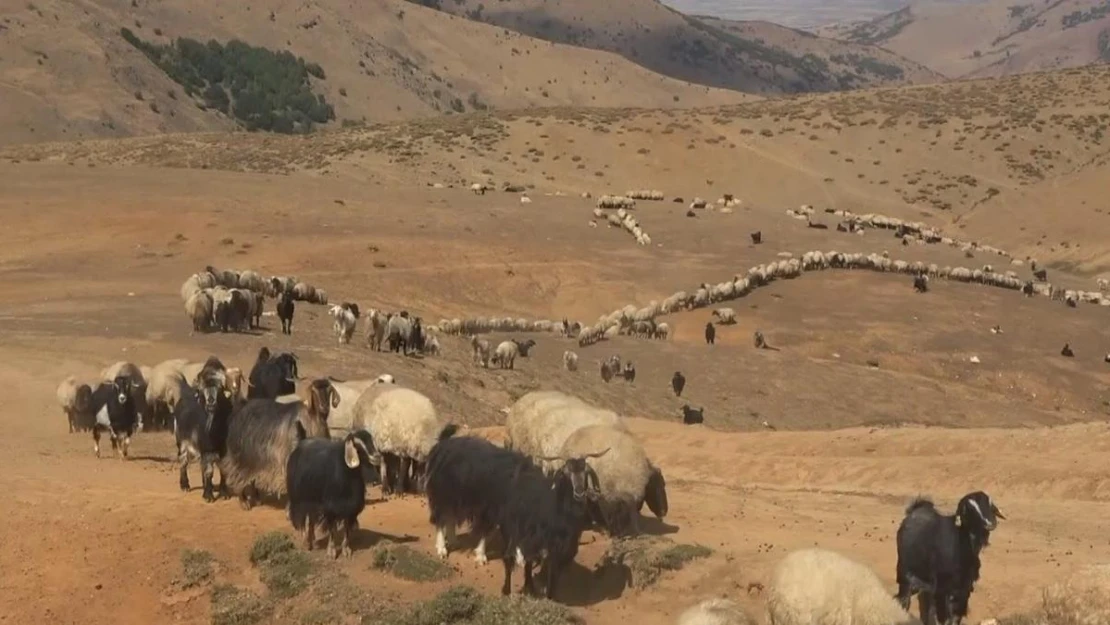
(350,454)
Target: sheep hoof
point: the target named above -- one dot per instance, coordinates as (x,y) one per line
(332,552)
(481,559)
(441,552)
(346,551)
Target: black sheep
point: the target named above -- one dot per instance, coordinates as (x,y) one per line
(938,556)
(326,483)
(285,309)
(920,283)
(272,376)
(691,416)
(201,419)
(678,382)
(114,406)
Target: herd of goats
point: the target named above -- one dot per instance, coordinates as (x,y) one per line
(566,466)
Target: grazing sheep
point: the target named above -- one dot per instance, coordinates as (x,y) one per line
(263,433)
(481,349)
(405,427)
(114,406)
(505,354)
(399,333)
(201,416)
(570,361)
(715,612)
(710,333)
(691,416)
(285,310)
(625,476)
(326,483)
(346,318)
(478,188)
(938,556)
(662,331)
(304,292)
(724,316)
(199,309)
(678,382)
(431,346)
(541,421)
(75,400)
(820,587)
(629,372)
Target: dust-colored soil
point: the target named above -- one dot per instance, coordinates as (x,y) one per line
(90,274)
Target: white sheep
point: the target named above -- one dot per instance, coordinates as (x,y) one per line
(625,476)
(570,361)
(725,316)
(820,587)
(505,354)
(163,388)
(345,322)
(541,421)
(355,397)
(478,188)
(405,426)
(74,398)
(715,612)
(199,308)
(481,349)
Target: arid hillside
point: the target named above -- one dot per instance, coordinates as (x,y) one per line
(755,58)
(990,157)
(67,73)
(992,37)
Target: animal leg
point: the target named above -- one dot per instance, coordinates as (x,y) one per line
(506,589)
(333,540)
(207,470)
(344,530)
(480,552)
(528,589)
(406,466)
(183,460)
(309,532)
(96,440)
(552,570)
(445,535)
(125,446)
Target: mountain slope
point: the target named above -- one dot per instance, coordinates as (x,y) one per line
(66,72)
(993,37)
(756,58)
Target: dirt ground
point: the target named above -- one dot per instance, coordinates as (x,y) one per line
(95,256)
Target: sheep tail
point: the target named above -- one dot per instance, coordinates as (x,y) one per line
(448,431)
(920,503)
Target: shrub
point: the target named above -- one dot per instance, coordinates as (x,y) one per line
(260,88)
(647,557)
(407,563)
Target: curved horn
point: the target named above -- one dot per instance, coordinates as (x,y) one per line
(334,396)
(331,379)
(997,512)
(598,454)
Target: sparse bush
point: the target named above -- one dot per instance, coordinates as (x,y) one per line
(407,563)
(647,557)
(236,606)
(462,604)
(196,567)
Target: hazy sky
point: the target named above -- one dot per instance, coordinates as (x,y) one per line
(795,13)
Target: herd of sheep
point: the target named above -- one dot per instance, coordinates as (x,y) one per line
(233,300)
(565,466)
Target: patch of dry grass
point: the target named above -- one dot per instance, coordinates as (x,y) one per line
(407,563)
(648,557)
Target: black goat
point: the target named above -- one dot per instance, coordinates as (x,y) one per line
(678,382)
(710,333)
(524,346)
(1067,351)
(545,518)
(418,337)
(285,309)
(233,313)
(114,406)
(1027,288)
(272,376)
(815,225)
(201,419)
(1041,274)
(326,483)
(938,556)
(691,416)
(629,372)
(757,237)
(921,283)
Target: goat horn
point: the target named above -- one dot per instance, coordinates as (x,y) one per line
(598,454)
(998,513)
